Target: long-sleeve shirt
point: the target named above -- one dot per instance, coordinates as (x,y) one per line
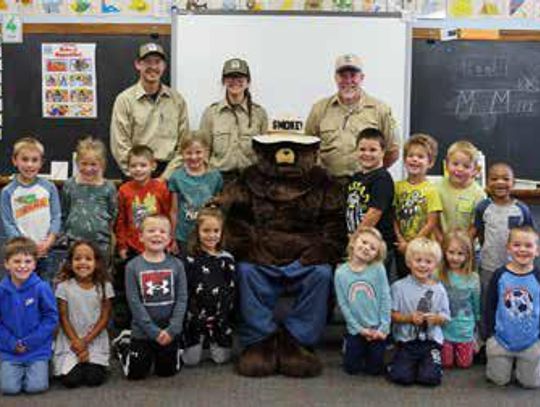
(89,211)
(513,308)
(136,202)
(364,298)
(139,119)
(157,296)
(28,316)
(31,210)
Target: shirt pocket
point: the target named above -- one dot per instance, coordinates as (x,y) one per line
(329,136)
(362,121)
(221,141)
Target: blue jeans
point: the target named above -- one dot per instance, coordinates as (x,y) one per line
(30,377)
(260,288)
(361,355)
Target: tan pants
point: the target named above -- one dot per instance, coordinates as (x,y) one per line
(500,362)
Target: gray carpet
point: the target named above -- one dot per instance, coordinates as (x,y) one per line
(211,386)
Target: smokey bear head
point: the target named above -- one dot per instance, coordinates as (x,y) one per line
(286,155)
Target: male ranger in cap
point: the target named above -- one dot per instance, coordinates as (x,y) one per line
(337,120)
(149,112)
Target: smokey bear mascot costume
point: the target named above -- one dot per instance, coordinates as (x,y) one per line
(285,226)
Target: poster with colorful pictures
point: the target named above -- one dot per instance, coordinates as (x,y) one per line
(524,8)
(477,8)
(69,80)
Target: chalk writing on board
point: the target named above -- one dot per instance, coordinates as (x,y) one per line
(484,68)
(479,102)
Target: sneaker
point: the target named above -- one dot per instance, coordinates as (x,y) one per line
(123,337)
(120,344)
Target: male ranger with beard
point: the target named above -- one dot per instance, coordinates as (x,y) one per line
(148,113)
(338,119)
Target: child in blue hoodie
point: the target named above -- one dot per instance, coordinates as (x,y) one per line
(28,318)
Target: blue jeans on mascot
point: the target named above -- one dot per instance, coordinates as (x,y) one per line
(261,286)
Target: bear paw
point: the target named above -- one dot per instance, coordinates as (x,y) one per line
(296,360)
(259,359)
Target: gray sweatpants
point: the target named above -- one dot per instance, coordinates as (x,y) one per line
(500,362)
(193,355)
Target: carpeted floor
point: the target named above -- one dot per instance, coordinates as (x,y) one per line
(213,386)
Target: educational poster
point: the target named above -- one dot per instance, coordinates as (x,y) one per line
(27,6)
(431,8)
(9,6)
(51,6)
(477,8)
(69,80)
(12,31)
(524,8)
(83,7)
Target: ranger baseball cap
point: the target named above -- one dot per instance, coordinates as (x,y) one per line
(349,61)
(235,66)
(151,48)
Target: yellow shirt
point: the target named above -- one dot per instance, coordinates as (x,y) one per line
(458,204)
(413,203)
(338,125)
(138,119)
(230,134)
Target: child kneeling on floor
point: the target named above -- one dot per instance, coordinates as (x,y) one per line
(419,308)
(156,291)
(513,314)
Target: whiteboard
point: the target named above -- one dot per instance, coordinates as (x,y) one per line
(291,58)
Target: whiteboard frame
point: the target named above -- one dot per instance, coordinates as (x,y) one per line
(191,17)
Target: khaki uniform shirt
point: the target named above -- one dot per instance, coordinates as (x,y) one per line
(138,119)
(229,134)
(338,125)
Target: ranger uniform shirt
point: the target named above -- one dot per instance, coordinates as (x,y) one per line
(139,119)
(338,125)
(229,133)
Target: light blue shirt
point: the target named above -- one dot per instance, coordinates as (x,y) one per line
(408,296)
(364,298)
(192,193)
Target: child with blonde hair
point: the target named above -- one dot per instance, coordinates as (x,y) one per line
(419,309)
(363,295)
(462,285)
(416,200)
(30,204)
(89,202)
(458,190)
(191,186)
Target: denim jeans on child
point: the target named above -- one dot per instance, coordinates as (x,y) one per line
(30,377)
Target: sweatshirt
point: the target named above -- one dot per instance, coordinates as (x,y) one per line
(28,315)
(157,296)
